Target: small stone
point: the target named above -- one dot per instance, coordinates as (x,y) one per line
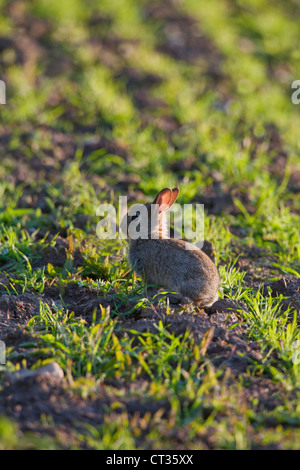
(52,370)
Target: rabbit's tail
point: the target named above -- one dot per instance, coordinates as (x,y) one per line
(206,301)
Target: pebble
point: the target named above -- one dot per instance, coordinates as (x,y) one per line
(52,370)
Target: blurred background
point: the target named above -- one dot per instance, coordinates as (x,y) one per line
(126,97)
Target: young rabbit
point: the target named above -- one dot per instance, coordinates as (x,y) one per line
(171,263)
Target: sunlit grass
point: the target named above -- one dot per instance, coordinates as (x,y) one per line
(221,120)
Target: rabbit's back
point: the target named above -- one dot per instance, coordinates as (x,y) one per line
(169,263)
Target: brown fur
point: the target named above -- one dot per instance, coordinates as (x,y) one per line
(167,262)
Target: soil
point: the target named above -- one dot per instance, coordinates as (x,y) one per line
(219,329)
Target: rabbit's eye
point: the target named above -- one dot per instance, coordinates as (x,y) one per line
(133,217)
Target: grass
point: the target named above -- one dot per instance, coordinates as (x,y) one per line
(104,105)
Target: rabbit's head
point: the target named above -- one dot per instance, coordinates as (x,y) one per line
(149,220)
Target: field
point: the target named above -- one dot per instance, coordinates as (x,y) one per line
(123,98)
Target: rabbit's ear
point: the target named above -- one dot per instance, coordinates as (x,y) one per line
(175,193)
(163,199)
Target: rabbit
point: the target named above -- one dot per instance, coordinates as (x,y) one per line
(172,263)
